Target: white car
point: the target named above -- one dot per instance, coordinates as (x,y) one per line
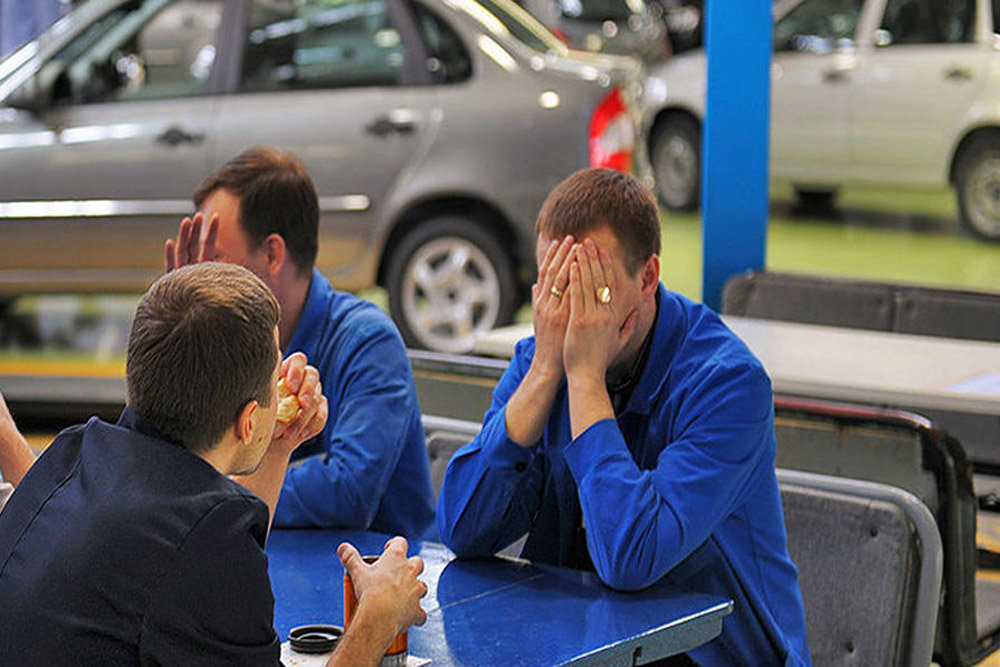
(862,91)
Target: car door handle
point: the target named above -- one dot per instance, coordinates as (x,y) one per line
(175,136)
(383,126)
(957,74)
(835,76)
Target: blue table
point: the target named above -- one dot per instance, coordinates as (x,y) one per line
(497,611)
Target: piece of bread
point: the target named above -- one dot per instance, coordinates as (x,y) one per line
(288,404)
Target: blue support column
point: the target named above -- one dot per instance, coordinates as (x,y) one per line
(734,183)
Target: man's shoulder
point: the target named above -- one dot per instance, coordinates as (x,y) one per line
(352,322)
(710,353)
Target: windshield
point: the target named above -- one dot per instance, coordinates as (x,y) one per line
(514,21)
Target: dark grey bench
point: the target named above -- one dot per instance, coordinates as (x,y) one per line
(906,451)
(864,304)
(888,307)
(870,561)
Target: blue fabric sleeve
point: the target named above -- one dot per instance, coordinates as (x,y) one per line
(641,523)
(492,487)
(215,607)
(363,439)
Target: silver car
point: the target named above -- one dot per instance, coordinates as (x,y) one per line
(862,91)
(433,130)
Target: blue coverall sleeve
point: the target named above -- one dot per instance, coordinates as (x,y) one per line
(492,487)
(363,439)
(641,523)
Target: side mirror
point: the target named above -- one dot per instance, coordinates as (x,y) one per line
(437,70)
(27,97)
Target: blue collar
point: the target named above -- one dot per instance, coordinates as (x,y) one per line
(667,334)
(312,316)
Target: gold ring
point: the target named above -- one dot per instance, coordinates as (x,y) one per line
(556,292)
(603,294)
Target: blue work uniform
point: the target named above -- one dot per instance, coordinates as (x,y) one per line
(681,484)
(368,469)
(121,548)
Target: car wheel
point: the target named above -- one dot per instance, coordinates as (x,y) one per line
(815,200)
(449,279)
(676,157)
(977,188)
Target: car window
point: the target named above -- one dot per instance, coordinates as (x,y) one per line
(144,50)
(927,22)
(296,44)
(449,60)
(818,26)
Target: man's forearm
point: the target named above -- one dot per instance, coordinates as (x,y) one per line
(15,454)
(530,405)
(589,402)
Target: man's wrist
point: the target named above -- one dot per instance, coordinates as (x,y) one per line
(374,628)
(585,380)
(544,371)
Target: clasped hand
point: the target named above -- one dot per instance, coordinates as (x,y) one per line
(577,331)
(303,381)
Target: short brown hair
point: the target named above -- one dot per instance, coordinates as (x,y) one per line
(276,197)
(202,346)
(593,198)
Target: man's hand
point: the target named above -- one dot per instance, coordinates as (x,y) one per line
(190,247)
(302,380)
(529,406)
(595,334)
(550,306)
(388,590)
(15,454)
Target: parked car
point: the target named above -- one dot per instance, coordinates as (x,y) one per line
(626,27)
(433,130)
(862,91)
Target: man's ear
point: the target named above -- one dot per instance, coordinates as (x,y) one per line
(651,275)
(275,253)
(245,422)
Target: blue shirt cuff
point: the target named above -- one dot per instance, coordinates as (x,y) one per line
(504,452)
(585,452)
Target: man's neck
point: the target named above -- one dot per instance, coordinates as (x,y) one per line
(292,298)
(644,326)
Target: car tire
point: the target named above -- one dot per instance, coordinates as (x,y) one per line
(815,200)
(675,152)
(448,279)
(977,187)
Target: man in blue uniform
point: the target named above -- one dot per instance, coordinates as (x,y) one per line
(633,434)
(368,469)
(129,544)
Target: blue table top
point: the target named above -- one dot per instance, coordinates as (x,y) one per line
(497,611)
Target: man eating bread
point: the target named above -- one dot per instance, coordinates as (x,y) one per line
(131,543)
